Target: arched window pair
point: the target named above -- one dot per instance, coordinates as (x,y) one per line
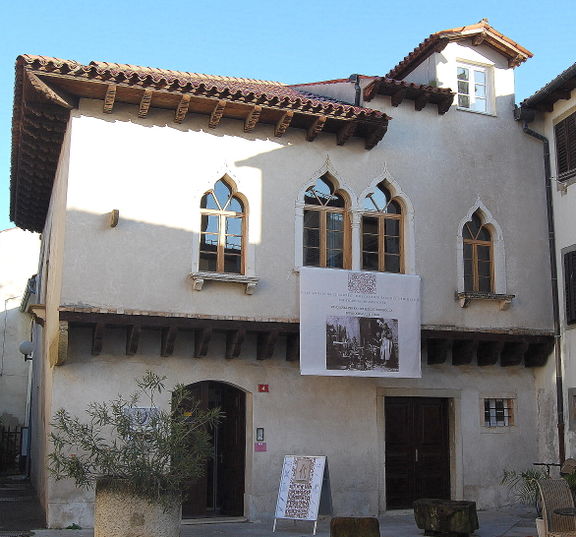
(327,229)
(222,230)
(478,256)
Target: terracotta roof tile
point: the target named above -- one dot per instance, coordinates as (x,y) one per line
(492,37)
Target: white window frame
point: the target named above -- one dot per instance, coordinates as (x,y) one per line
(488,83)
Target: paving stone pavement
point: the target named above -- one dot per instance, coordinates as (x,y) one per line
(515,521)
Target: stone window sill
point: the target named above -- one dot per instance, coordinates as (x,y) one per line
(198,279)
(468,296)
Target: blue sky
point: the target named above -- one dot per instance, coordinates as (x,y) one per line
(292,42)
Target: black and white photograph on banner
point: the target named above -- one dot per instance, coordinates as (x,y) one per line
(362,344)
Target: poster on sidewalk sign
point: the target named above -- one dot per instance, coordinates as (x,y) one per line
(361,324)
(300,487)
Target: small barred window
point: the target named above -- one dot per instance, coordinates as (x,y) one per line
(498,412)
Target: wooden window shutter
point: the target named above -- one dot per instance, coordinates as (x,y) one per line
(570,286)
(565,133)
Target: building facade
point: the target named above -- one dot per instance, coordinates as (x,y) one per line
(177,211)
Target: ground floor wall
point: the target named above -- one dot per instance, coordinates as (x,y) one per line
(339,417)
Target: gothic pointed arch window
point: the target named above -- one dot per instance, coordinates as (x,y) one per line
(382,231)
(223,230)
(478,256)
(326,226)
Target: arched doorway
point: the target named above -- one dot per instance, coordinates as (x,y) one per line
(221,491)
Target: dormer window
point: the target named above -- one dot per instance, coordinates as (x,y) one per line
(474,88)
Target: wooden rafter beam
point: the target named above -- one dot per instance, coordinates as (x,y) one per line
(54,95)
(97,338)
(109,98)
(478,39)
(489,352)
(398,96)
(464,351)
(252,118)
(438,350)
(375,136)
(421,101)
(202,338)
(283,123)
(234,340)
(346,132)
(315,128)
(538,353)
(445,104)
(132,339)
(371,90)
(145,103)
(265,344)
(516,60)
(216,114)
(513,353)
(182,109)
(168,340)
(292,347)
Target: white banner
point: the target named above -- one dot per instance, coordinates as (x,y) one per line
(362,324)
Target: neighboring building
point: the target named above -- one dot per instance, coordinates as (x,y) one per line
(19,250)
(177,209)
(551,113)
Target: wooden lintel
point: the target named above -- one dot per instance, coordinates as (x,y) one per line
(375,136)
(421,101)
(168,340)
(345,132)
(371,90)
(397,97)
(488,352)
(62,354)
(252,118)
(145,103)
(132,338)
(516,61)
(538,353)
(266,344)
(109,98)
(292,347)
(513,353)
(97,338)
(182,109)
(464,351)
(283,123)
(202,338)
(438,350)
(54,95)
(315,128)
(216,114)
(234,340)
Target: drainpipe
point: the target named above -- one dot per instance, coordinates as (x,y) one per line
(356,80)
(526,116)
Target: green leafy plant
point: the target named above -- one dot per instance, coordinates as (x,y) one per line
(523,485)
(146,451)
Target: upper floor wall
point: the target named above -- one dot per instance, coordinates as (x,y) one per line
(155,173)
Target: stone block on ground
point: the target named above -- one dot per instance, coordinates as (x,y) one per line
(446,517)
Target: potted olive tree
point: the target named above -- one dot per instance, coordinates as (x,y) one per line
(140,457)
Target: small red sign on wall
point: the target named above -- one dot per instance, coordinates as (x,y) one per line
(263,388)
(260,446)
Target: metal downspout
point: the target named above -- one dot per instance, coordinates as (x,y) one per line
(355,79)
(554,282)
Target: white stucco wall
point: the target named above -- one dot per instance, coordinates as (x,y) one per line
(19,253)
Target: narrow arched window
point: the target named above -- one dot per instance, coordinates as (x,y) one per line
(223,229)
(382,232)
(326,228)
(478,264)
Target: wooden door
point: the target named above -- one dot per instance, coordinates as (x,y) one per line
(220,492)
(417,450)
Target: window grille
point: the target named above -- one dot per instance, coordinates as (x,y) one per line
(498,412)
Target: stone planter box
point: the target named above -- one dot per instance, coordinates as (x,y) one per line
(446,517)
(120,514)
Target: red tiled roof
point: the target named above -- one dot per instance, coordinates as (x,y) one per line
(482,31)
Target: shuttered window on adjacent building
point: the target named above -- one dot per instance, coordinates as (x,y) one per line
(570,286)
(565,133)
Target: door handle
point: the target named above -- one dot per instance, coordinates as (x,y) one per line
(416,458)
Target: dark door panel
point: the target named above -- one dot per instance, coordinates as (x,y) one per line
(417,450)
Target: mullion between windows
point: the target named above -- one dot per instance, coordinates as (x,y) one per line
(221,243)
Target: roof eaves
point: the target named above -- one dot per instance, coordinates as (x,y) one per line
(558,88)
